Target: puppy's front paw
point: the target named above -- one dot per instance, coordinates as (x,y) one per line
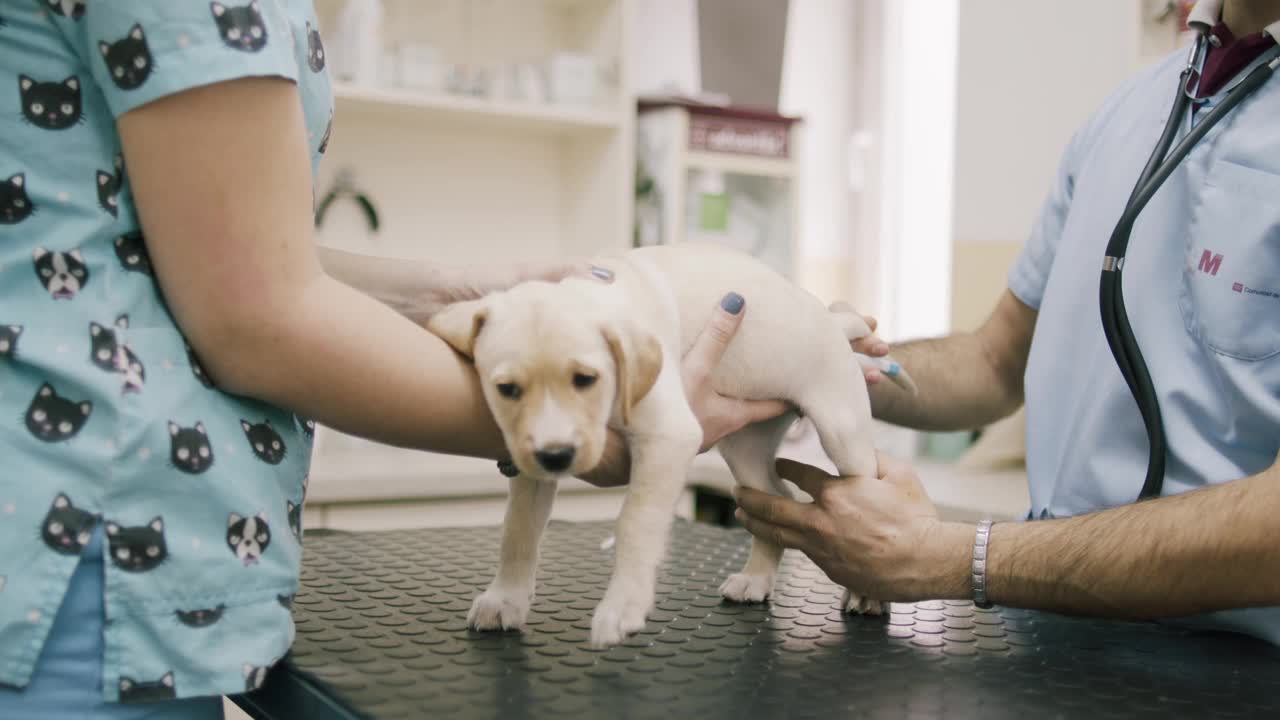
(744,588)
(860,605)
(616,619)
(499,610)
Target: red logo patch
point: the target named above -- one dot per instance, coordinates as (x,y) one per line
(1238,287)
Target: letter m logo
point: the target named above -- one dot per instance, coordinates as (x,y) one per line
(1210,262)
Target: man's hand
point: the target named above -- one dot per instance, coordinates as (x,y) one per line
(717,414)
(870,345)
(879,536)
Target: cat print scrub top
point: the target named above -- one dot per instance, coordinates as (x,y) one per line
(108,423)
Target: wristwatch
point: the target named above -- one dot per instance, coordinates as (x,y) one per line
(979,569)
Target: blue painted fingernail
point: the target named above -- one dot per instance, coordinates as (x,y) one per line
(604,274)
(893,369)
(732,303)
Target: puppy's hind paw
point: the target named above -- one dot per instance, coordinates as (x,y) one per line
(861,605)
(498,610)
(743,588)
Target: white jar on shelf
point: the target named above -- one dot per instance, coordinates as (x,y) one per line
(573,78)
(359,44)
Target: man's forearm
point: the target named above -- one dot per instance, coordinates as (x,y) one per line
(959,389)
(1210,549)
(965,380)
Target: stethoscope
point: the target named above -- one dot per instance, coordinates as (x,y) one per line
(1115,321)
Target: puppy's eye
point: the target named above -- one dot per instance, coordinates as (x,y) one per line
(509,390)
(582,381)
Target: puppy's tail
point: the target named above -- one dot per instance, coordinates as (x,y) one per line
(854,327)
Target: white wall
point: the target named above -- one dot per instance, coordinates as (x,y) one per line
(1029,73)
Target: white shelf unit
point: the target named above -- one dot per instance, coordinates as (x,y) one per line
(468,180)
(518,118)
(680,141)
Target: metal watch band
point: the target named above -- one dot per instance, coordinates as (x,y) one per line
(979,570)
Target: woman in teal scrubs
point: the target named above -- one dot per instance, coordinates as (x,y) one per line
(167,335)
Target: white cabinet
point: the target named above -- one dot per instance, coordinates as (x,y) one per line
(721,175)
(496,131)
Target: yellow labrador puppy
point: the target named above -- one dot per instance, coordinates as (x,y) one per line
(560,363)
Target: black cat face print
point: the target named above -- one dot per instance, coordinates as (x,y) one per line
(109,183)
(55,419)
(67,529)
(241,27)
(63,274)
(9,335)
(73,9)
(294,512)
(189,448)
(248,537)
(129,59)
(15,206)
(200,618)
(109,352)
(137,549)
(51,105)
(132,691)
(315,49)
(266,443)
(131,251)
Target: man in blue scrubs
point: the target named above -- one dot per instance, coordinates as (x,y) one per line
(1202,287)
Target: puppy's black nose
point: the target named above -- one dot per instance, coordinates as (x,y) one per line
(555,459)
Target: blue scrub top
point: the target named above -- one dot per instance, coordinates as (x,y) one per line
(1202,288)
(108,423)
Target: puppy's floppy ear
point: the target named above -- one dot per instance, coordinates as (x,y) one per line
(638,358)
(460,323)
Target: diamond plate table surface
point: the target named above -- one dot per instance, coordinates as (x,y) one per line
(382,633)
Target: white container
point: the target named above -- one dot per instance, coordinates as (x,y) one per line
(573,78)
(421,67)
(360,49)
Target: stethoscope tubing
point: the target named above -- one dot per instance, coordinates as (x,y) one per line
(1115,319)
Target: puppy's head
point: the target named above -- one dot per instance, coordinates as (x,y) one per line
(554,371)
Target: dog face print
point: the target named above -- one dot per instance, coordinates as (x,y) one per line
(248,537)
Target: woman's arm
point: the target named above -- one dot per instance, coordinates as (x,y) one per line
(419,289)
(221,177)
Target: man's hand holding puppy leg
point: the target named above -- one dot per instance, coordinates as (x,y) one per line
(880,534)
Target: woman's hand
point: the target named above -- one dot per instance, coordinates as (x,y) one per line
(880,536)
(718,414)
